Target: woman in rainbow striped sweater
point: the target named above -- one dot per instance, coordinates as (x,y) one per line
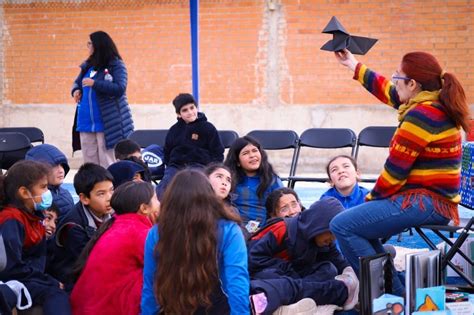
(420,180)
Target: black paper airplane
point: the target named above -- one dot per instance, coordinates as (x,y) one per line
(342,39)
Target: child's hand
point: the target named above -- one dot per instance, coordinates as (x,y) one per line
(77,96)
(87,82)
(61,285)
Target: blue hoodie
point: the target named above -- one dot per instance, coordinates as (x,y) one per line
(51,155)
(356,197)
(124,171)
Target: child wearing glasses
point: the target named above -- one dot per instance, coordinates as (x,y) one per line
(283,202)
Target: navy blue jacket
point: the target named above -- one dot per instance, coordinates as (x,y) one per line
(74,230)
(304,254)
(23,239)
(195,143)
(112,99)
(51,155)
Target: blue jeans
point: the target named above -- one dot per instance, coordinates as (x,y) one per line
(170,172)
(359,229)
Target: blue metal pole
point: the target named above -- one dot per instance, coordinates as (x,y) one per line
(194,14)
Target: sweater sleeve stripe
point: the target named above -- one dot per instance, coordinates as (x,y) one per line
(378,85)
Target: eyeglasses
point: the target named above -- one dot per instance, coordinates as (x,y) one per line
(395,78)
(286,209)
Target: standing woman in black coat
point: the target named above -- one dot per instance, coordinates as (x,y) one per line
(103,116)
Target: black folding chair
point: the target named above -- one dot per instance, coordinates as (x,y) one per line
(464,230)
(146,137)
(13,148)
(228,137)
(277,140)
(374,136)
(322,138)
(33,133)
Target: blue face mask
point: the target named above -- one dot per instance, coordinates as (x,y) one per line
(46,201)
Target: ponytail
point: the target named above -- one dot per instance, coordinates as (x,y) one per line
(453,98)
(426,70)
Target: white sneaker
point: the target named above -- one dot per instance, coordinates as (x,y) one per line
(305,306)
(352,285)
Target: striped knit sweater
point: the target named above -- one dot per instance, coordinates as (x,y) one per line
(425,151)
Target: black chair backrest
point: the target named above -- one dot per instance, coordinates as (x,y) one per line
(375,136)
(13,148)
(146,137)
(33,133)
(323,138)
(328,138)
(228,137)
(278,140)
(275,139)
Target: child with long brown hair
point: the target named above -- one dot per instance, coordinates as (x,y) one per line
(254,180)
(195,257)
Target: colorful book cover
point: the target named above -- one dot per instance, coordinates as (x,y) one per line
(447,312)
(430,299)
(388,304)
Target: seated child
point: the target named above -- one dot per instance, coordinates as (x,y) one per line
(125,171)
(254,178)
(51,155)
(221,180)
(24,195)
(111,265)
(129,150)
(282,203)
(94,185)
(297,259)
(50,221)
(192,141)
(343,177)
(195,257)
(126,148)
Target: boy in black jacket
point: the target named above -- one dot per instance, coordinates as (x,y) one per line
(93,184)
(192,141)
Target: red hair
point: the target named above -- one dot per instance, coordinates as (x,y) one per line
(426,70)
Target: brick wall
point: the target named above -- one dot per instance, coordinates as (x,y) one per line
(443,28)
(44,43)
(260,62)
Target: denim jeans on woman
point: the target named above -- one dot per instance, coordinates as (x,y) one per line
(359,229)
